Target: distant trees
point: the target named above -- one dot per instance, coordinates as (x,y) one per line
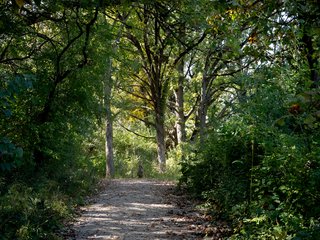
(178,60)
(152,31)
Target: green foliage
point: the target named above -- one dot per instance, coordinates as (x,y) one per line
(10,155)
(49,104)
(263,176)
(259,165)
(27,214)
(37,207)
(130,150)
(173,164)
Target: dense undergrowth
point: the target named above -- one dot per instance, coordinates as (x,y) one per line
(260,169)
(38,206)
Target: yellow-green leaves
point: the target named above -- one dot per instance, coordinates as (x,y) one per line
(20,3)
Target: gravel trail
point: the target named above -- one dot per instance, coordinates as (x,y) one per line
(138,209)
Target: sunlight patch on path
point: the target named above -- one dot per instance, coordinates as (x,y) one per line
(131,210)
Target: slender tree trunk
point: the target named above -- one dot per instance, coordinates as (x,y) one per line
(179,96)
(110,171)
(109,148)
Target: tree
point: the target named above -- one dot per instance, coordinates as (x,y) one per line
(110,170)
(152,45)
(236,41)
(49,45)
(306,14)
(268,64)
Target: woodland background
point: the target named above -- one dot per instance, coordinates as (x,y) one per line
(220,95)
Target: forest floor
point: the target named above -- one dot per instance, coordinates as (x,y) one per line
(143,209)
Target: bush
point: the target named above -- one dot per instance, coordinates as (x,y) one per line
(27,214)
(36,204)
(260,168)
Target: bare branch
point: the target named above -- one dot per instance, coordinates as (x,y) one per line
(135,133)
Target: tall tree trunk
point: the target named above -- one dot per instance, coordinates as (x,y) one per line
(201,118)
(42,118)
(160,94)
(160,134)
(203,109)
(179,97)
(312,61)
(179,94)
(110,171)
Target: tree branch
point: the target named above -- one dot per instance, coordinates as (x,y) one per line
(189,48)
(135,133)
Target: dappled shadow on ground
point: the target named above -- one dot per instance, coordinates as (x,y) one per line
(137,209)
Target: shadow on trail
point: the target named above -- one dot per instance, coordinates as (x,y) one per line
(133,210)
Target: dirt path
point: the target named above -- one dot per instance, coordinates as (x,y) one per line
(139,209)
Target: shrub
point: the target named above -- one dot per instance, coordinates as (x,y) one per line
(260,168)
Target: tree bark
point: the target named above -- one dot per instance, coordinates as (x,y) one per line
(110,171)
(205,97)
(160,133)
(179,97)
(203,108)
